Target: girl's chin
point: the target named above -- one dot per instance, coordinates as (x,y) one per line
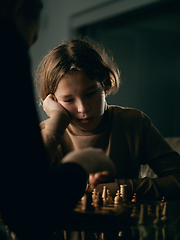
(88,125)
(85,125)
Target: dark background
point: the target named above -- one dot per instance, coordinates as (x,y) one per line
(145,44)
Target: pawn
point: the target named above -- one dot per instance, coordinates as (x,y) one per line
(82,199)
(105,202)
(143,217)
(87,202)
(87,186)
(164,232)
(101,237)
(98,202)
(158,232)
(150,212)
(158,215)
(135,212)
(118,199)
(109,197)
(164,213)
(134,199)
(123,192)
(162,205)
(94,195)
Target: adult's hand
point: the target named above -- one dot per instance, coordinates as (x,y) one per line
(95,162)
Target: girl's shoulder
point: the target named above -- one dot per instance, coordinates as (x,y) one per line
(125,116)
(126,112)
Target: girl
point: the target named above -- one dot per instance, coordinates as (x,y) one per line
(75,78)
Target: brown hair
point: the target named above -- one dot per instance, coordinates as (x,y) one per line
(77,55)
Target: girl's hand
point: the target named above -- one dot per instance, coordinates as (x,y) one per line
(51,103)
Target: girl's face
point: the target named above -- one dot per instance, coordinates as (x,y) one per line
(83,98)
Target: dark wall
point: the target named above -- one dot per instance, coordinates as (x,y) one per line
(146,46)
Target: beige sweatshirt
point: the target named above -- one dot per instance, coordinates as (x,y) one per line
(130,140)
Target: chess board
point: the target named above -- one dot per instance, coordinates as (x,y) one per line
(98,213)
(109,218)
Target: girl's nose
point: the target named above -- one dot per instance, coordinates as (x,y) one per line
(82,107)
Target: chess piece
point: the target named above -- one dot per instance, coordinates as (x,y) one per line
(135,212)
(134,199)
(162,203)
(123,192)
(158,215)
(87,186)
(118,199)
(150,212)
(109,197)
(143,217)
(143,232)
(164,232)
(94,195)
(164,213)
(158,232)
(101,237)
(98,202)
(82,199)
(105,202)
(104,192)
(87,202)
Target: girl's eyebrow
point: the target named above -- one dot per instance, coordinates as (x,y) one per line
(88,89)
(91,88)
(65,96)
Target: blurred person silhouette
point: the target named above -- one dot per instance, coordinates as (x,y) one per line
(35,200)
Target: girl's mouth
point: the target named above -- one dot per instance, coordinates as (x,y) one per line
(85,120)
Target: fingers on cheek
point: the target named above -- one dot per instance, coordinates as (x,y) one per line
(55,99)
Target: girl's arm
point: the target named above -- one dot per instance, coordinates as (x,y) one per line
(167,184)
(53,128)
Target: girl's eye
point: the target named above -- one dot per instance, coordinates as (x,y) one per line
(69,100)
(91,93)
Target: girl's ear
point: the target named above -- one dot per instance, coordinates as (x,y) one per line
(106,84)
(106,89)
